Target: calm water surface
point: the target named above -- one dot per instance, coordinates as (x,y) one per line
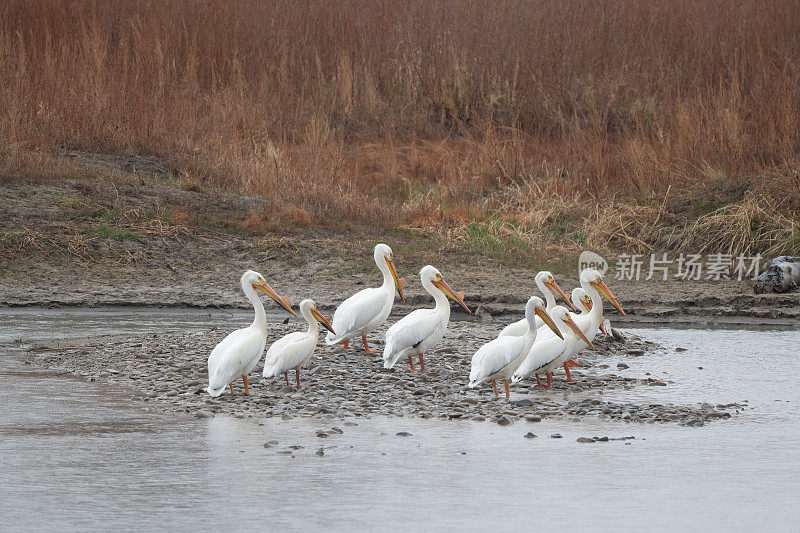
(82,455)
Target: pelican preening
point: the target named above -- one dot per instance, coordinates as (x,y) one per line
(421,330)
(549,336)
(238,353)
(293,351)
(367,310)
(547,285)
(500,358)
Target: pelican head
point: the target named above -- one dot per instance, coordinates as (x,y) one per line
(308,308)
(431,278)
(254,279)
(536,307)
(595,279)
(384,259)
(580,299)
(545,278)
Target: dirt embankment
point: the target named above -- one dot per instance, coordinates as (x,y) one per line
(132,235)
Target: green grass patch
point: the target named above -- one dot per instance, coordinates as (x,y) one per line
(115,233)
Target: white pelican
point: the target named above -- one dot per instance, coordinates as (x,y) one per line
(591,320)
(293,351)
(367,310)
(546,284)
(421,330)
(239,352)
(543,357)
(499,358)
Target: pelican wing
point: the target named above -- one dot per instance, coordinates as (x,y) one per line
(493,356)
(287,352)
(355,313)
(232,356)
(410,331)
(543,351)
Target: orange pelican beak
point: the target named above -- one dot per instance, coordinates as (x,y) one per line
(601,286)
(399,283)
(553,286)
(574,327)
(541,312)
(457,297)
(322,319)
(283,301)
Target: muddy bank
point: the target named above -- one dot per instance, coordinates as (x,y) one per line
(143,240)
(170,369)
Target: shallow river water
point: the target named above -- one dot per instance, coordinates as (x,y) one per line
(83,455)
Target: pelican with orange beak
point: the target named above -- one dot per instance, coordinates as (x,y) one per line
(294,350)
(238,353)
(543,357)
(547,286)
(419,331)
(498,359)
(368,309)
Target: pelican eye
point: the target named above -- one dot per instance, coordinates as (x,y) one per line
(438,277)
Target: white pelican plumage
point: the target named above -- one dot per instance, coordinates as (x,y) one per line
(293,351)
(547,285)
(367,310)
(544,354)
(421,330)
(239,352)
(498,359)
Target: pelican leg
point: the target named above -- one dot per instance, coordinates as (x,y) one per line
(549,380)
(286,377)
(494,386)
(411,362)
(422,364)
(539,381)
(246,390)
(231,386)
(569,376)
(366,346)
(507,395)
(297,377)
(572,363)
(346,344)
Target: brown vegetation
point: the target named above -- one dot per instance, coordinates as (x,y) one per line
(630,124)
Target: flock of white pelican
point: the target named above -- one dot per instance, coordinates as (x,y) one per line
(548,337)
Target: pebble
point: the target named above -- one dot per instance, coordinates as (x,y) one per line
(503,420)
(320,452)
(622,366)
(403,434)
(529,435)
(585,439)
(356,387)
(556,436)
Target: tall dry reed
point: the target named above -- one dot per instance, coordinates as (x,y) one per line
(418,112)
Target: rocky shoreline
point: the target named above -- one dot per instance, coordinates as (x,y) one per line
(169,369)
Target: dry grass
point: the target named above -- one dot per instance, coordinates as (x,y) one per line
(547,122)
